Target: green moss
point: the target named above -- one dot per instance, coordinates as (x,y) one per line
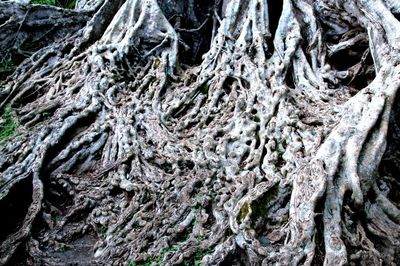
(62,248)
(46,114)
(243,212)
(8,125)
(261,205)
(204,88)
(164,251)
(157,259)
(195,260)
(71,4)
(44,2)
(183,236)
(228,232)
(157,63)
(65,4)
(55,219)
(135,224)
(200,238)
(148,262)
(6,64)
(103,231)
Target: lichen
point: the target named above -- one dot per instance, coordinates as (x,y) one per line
(8,125)
(244,210)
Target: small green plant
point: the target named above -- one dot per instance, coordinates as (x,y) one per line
(71,4)
(55,219)
(157,259)
(257,119)
(103,231)
(44,2)
(185,234)
(6,64)
(197,257)
(135,224)
(65,3)
(164,251)
(200,238)
(244,210)
(46,114)
(8,124)
(63,248)
(148,262)
(204,88)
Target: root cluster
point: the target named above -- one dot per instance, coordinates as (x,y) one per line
(271,150)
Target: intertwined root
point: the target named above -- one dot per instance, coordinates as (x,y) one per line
(267,152)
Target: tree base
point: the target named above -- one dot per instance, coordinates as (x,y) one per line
(136,148)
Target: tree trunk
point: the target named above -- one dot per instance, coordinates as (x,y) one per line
(174,132)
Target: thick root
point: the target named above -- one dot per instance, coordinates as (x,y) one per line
(267,152)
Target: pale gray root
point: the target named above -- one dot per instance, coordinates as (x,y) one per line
(268,152)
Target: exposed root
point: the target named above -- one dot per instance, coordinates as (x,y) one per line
(268,152)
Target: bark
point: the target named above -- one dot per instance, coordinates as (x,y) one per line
(177,133)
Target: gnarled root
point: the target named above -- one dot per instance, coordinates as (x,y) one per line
(267,152)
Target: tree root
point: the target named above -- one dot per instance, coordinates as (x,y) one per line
(268,152)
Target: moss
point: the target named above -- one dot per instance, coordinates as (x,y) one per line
(164,251)
(195,260)
(260,206)
(183,236)
(157,259)
(65,4)
(47,114)
(257,119)
(44,2)
(200,238)
(148,262)
(103,231)
(228,232)
(6,64)
(63,248)
(204,88)
(243,212)
(157,63)
(8,125)
(71,4)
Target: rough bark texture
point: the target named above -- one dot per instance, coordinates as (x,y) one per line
(231,133)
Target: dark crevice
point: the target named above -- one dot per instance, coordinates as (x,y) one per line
(358,61)
(57,195)
(193,22)
(262,207)
(19,257)
(274,14)
(237,258)
(390,164)
(15,206)
(397,16)
(290,78)
(227,85)
(319,235)
(346,58)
